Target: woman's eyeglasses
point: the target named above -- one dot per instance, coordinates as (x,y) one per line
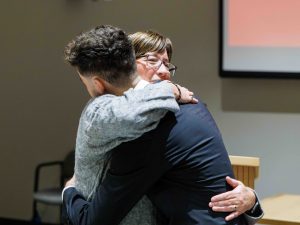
(155,63)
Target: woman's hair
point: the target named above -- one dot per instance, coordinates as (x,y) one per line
(150,41)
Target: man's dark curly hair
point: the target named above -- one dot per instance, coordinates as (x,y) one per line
(105,51)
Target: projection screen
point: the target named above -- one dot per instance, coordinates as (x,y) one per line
(260,38)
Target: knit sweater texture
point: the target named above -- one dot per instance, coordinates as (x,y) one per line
(106,122)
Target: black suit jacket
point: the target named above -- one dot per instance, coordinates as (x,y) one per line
(180,165)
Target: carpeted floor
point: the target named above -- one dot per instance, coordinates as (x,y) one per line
(5,221)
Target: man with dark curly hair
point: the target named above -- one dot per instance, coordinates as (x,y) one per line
(105,61)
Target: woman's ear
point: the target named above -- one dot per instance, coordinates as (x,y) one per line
(99,85)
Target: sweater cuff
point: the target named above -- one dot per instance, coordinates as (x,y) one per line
(63,191)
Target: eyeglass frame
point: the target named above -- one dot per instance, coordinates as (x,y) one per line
(172,71)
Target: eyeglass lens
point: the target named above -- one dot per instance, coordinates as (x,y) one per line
(156,63)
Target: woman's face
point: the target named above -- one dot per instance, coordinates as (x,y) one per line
(153,66)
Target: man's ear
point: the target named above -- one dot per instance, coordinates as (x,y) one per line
(99,85)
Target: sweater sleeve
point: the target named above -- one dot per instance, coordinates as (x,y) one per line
(110,120)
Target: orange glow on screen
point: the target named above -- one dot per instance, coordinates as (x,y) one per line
(267,23)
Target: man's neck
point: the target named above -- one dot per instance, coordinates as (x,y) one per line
(135,81)
(110,89)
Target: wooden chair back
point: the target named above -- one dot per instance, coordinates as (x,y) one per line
(245,169)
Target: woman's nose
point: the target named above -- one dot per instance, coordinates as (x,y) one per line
(163,72)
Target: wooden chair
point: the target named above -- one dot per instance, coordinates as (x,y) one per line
(245,169)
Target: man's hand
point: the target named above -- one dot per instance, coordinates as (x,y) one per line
(237,201)
(71,182)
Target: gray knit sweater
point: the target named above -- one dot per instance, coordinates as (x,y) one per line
(109,120)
